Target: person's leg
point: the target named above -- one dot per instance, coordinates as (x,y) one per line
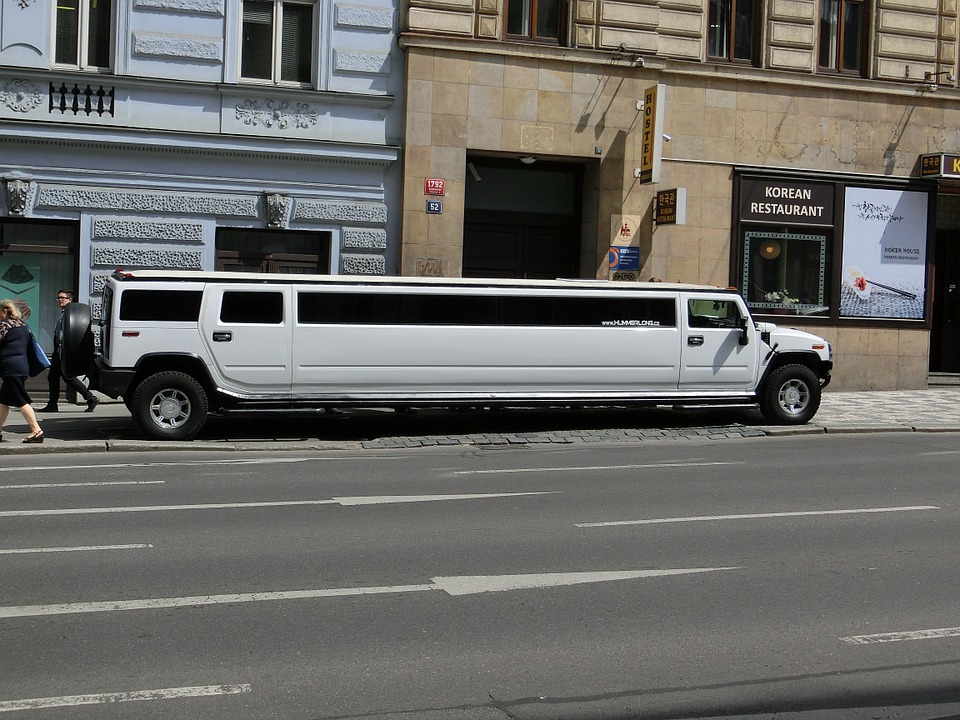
(53,382)
(78,387)
(4,411)
(31,418)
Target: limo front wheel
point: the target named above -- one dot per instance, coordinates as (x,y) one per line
(791,396)
(170,406)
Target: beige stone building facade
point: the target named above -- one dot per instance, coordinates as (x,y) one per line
(814,145)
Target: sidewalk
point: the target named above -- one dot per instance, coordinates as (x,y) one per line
(110,427)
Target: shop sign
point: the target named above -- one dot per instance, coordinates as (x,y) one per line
(671,207)
(624,258)
(433,186)
(940,165)
(651,136)
(786,202)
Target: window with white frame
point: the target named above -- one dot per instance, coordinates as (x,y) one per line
(83,33)
(277,41)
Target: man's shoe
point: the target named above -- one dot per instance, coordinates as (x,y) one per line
(49,408)
(92,403)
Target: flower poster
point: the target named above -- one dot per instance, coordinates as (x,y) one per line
(883,274)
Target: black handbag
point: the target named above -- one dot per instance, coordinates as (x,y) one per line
(37,359)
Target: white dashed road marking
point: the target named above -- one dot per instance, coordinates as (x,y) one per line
(119,697)
(935,634)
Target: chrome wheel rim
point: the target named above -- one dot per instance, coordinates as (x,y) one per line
(170,409)
(794,397)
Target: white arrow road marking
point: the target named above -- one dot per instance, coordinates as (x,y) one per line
(934,634)
(345,501)
(118,697)
(450,585)
(579,468)
(80,548)
(468,585)
(755,516)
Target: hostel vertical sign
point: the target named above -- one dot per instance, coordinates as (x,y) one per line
(651,135)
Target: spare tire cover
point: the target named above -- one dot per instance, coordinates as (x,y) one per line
(77,350)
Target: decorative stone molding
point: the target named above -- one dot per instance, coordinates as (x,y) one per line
(98,281)
(368,18)
(63,196)
(198,7)
(367,213)
(276,113)
(278,210)
(147,230)
(358,62)
(363,265)
(178,46)
(21,95)
(363,239)
(127,257)
(18,192)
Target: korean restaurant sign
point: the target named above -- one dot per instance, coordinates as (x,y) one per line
(940,166)
(786,202)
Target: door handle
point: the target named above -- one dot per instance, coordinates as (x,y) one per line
(222,336)
(695,340)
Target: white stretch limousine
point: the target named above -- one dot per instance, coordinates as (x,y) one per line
(177,346)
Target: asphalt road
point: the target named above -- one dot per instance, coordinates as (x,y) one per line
(670,580)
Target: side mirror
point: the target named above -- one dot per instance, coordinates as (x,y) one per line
(744,336)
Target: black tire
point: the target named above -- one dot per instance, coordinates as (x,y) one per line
(77,349)
(170,406)
(791,395)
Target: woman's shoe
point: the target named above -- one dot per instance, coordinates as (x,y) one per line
(37,437)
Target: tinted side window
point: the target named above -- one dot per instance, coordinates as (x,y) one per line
(589,311)
(160,305)
(416,309)
(396,309)
(251,307)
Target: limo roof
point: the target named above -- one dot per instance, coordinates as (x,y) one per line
(401,280)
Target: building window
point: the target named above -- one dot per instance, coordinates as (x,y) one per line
(83,33)
(786,272)
(842,26)
(536,19)
(277,43)
(273,251)
(733,29)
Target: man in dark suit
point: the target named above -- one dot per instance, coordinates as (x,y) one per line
(64,298)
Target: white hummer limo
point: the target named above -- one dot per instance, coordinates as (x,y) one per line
(178,346)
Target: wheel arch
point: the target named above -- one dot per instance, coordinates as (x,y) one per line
(807,358)
(187,363)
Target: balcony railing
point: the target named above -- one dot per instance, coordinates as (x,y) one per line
(87,100)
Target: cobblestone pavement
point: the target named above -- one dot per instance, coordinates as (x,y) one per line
(111,428)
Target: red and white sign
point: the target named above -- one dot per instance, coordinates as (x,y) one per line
(433,186)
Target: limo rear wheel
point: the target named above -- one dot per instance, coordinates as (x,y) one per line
(791,396)
(170,406)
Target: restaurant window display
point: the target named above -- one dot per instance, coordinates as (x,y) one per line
(834,250)
(785,272)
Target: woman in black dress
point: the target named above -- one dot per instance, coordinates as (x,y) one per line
(14,370)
